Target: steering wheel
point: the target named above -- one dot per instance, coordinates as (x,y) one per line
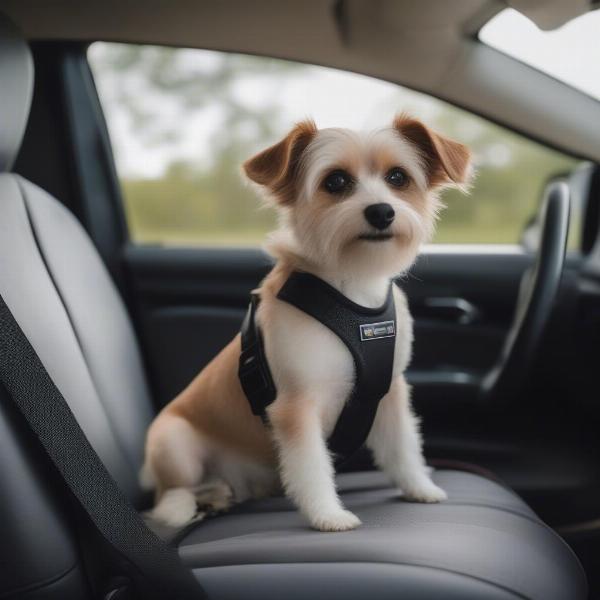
(538,290)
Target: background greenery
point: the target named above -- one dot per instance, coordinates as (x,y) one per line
(150,93)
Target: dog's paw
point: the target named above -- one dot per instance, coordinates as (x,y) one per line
(338,520)
(176,508)
(425,491)
(216,496)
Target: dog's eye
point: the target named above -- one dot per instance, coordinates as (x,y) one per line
(338,182)
(397,177)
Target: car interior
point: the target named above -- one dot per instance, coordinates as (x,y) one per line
(506,334)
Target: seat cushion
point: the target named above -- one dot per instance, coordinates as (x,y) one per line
(484,542)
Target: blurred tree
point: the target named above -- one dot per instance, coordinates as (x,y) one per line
(158,89)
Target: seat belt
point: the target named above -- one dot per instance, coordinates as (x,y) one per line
(153,567)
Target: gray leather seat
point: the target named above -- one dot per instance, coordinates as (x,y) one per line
(484,542)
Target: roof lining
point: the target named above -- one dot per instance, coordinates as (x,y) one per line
(432,51)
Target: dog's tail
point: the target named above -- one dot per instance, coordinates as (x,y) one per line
(146,477)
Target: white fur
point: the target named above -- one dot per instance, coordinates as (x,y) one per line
(205,474)
(246,479)
(146,478)
(324,377)
(396,445)
(310,365)
(324,153)
(176,507)
(307,472)
(319,238)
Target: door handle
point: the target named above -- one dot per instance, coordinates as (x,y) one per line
(453,309)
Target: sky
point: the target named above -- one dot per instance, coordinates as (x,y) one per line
(337,98)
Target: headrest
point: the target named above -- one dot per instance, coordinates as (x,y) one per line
(16,87)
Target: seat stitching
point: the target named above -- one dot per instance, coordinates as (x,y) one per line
(372,562)
(531,518)
(534,520)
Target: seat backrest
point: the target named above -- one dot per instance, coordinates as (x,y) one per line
(59,291)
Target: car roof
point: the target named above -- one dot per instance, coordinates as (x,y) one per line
(429,46)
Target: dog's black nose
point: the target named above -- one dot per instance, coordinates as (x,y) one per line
(380,215)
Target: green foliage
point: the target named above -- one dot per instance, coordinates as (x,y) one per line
(187,207)
(208,203)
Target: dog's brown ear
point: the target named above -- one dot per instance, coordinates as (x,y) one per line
(446,161)
(276,167)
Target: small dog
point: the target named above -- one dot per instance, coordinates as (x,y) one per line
(206,448)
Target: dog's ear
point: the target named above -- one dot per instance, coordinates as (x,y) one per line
(276,167)
(447,162)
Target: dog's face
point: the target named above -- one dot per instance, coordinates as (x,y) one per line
(360,202)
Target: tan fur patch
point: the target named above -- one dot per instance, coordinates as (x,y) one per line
(382,161)
(215,404)
(276,168)
(446,160)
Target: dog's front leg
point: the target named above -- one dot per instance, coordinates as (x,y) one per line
(396,444)
(306,468)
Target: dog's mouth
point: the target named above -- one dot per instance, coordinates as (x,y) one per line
(376,237)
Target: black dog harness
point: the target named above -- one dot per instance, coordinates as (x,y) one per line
(368,333)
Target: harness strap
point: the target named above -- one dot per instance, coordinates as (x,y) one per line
(154,567)
(254,373)
(368,333)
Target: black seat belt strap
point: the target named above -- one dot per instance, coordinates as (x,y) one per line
(154,567)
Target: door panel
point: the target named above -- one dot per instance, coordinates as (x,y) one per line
(191,302)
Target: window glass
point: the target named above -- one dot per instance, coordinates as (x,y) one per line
(182,122)
(570,53)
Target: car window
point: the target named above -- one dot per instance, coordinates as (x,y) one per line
(182,121)
(570,53)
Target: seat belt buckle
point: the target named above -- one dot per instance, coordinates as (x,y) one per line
(119,588)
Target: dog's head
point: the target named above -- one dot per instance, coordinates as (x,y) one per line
(360,201)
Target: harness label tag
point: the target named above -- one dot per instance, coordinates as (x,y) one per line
(375,331)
